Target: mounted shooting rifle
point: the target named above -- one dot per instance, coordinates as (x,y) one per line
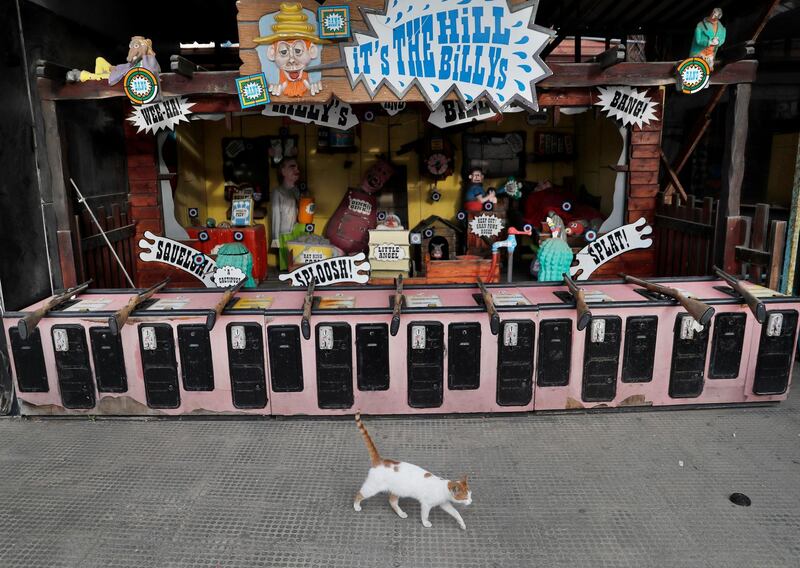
(756,306)
(578,294)
(117,321)
(700,311)
(398,306)
(211,320)
(494,317)
(305,324)
(27,324)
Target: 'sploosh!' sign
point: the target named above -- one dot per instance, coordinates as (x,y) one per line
(477,47)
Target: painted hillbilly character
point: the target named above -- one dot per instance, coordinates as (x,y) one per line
(709,35)
(349,226)
(475,196)
(284,200)
(140,54)
(294,43)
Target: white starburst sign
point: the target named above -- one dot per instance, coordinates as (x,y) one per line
(627,104)
(163,114)
(477,48)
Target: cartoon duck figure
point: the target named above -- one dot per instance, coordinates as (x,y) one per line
(292,46)
(555,255)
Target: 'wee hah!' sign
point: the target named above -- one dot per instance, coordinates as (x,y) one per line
(475,47)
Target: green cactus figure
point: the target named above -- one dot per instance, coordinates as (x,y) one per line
(555,255)
(236,255)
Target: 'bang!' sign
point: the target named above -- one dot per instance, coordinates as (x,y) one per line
(477,47)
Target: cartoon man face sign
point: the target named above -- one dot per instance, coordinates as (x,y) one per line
(476,176)
(292,46)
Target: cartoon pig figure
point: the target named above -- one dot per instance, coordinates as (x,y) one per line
(357,214)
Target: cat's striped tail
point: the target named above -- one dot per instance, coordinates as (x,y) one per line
(374,456)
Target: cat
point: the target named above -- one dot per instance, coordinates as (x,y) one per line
(401,479)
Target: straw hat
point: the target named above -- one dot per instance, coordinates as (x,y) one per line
(291,23)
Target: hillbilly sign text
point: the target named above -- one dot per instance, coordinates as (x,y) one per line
(479,48)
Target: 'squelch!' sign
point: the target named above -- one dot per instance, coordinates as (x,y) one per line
(477,47)
(178,255)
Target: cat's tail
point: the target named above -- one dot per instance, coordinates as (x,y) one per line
(374,456)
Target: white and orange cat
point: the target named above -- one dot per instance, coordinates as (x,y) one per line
(401,479)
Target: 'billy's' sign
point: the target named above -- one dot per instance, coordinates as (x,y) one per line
(478,47)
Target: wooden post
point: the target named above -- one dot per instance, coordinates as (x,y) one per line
(790,256)
(732,165)
(62,204)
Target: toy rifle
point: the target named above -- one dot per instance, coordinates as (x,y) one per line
(211,319)
(398,306)
(494,317)
(584,315)
(117,321)
(756,306)
(27,324)
(305,325)
(700,311)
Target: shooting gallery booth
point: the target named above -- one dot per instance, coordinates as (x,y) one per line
(272,165)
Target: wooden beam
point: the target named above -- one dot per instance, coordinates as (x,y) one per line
(183,66)
(673,176)
(53,71)
(565,75)
(733,162)
(793,235)
(777,244)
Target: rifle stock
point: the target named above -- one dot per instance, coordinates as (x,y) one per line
(584,315)
(118,320)
(398,306)
(305,324)
(494,317)
(28,323)
(211,319)
(756,306)
(700,311)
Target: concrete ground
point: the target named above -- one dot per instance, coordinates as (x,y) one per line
(636,489)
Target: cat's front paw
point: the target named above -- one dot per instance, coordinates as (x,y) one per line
(427,524)
(356,506)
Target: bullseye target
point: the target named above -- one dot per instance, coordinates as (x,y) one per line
(428,233)
(590,235)
(488,206)
(566,206)
(238,236)
(461,216)
(202,236)
(309,227)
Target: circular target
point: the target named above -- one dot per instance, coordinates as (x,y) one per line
(203,236)
(369,116)
(415,238)
(238,236)
(193,213)
(488,206)
(461,216)
(427,233)
(381,215)
(566,206)
(590,235)
(309,227)
(283,132)
(198,259)
(436,196)
(302,186)
(140,86)
(527,227)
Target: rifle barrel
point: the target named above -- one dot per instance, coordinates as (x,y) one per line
(494,317)
(699,310)
(398,307)
(28,323)
(118,320)
(584,314)
(756,306)
(305,324)
(211,319)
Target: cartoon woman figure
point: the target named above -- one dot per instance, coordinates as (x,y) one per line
(709,35)
(291,48)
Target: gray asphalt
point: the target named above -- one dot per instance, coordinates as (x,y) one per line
(632,489)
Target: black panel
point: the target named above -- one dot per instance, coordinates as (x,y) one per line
(246,367)
(640,349)
(197,369)
(464,356)
(688,362)
(774,361)
(29,361)
(601,361)
(555,350)
(109,360)
(74,374)
(335,368)
(160,368)
(285,358)
(372,356)
(515,365)
(426,367)
(727,346)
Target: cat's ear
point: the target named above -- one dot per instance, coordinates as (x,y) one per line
(464,479)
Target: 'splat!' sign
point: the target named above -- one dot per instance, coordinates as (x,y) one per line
(611,245)
(479,48)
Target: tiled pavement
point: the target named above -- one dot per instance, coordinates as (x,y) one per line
(549,490)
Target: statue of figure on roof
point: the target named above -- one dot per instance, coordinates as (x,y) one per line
(709,35)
